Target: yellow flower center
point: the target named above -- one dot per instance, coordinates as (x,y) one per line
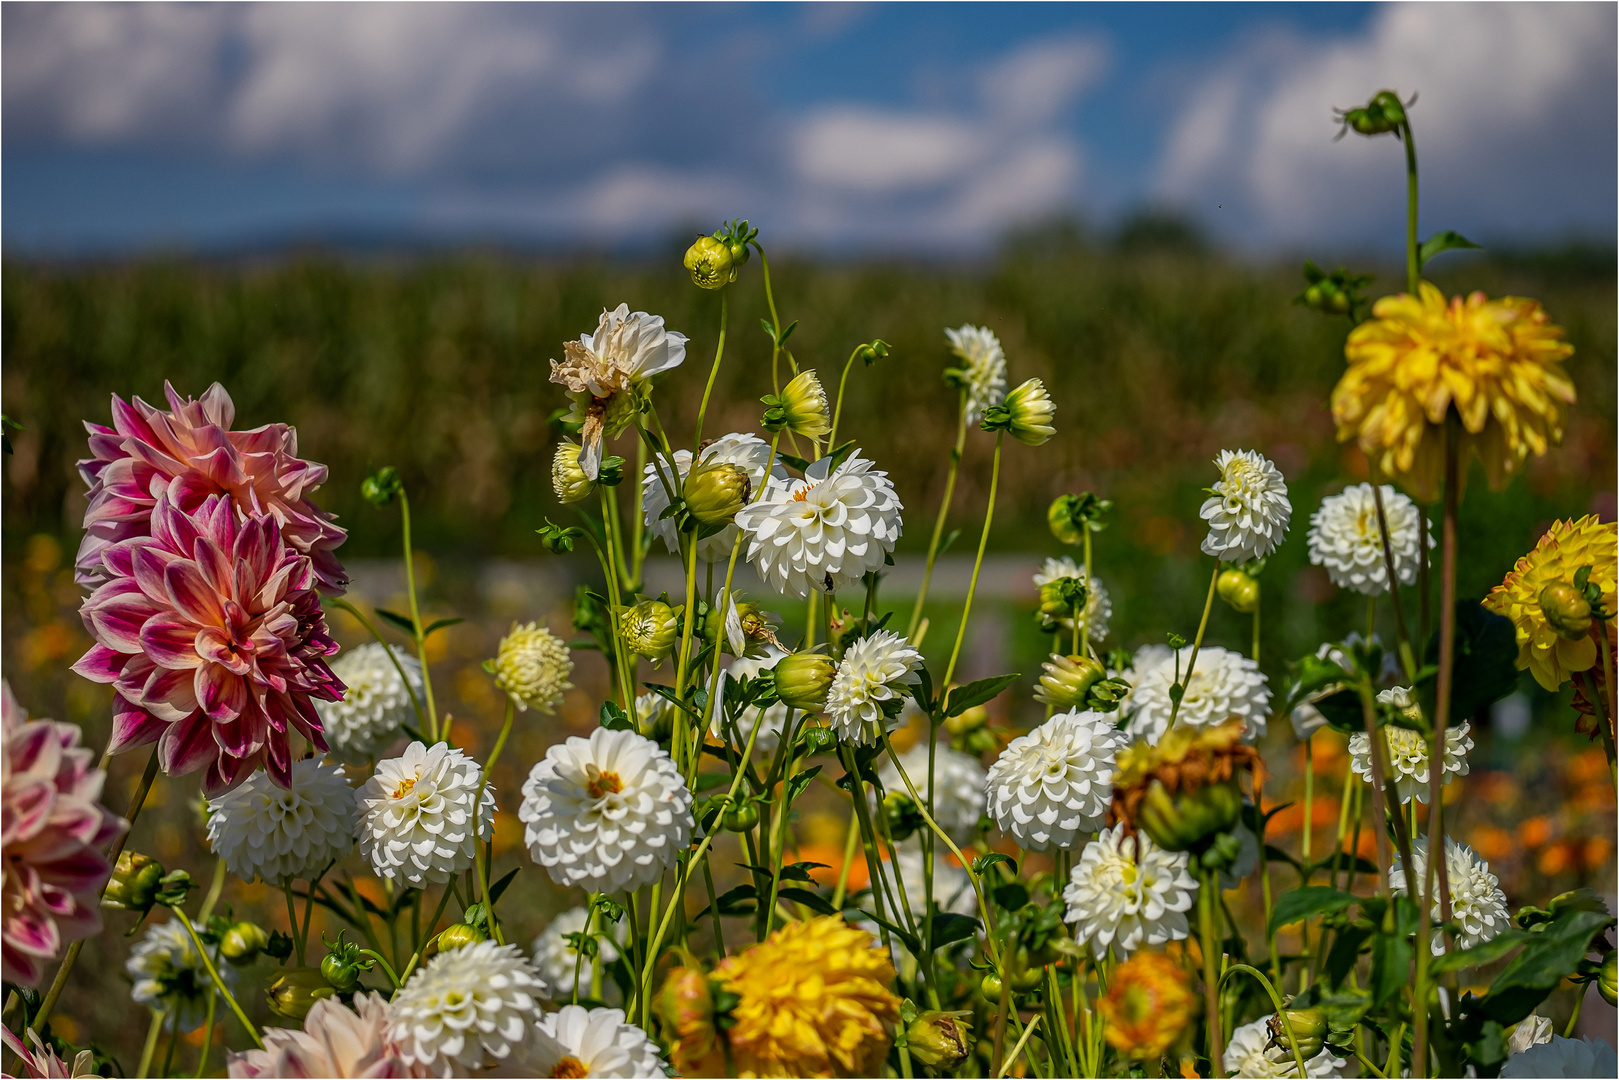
(404,787)
(606,783)
(570,1067)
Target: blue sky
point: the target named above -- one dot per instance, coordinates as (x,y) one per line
(910,128)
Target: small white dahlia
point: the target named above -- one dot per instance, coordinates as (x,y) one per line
(593,1042)
(607,813)
(1248,509)
(773,716)
(1050,787)
(747,452)
(170,975)
(1098,605)
(416,815)
(606,371)
(558,961)
(375,705)
(264,830)
(1126,892)
(983,368)
(1246,1056)
(1224,684)
(1564,1057)
(1344,538)
(1408,757)
(1477,904)
(874,670)
(825,531)
(464,1005)
(958,800)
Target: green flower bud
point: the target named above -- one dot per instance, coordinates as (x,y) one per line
(1183,821)
(940,1040)
(382,487)
(459,935)
(1071,515)
(716,491)
(740,817)
(1067,681)
(1566,610)
(1309,1028)
(802,680)
(568,480)
(1026,414)
(1061,599)
(650,629)
(296,990)
(1239,590)
(903,816)
(712,262)
(134,883)
(1106,695)
(243,942)
(1608,978)
(801,407)
(336,969)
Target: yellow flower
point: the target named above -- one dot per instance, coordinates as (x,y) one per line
(1497,362)
(532,667)
(1147,1006)
(1566,547)
(815,1001)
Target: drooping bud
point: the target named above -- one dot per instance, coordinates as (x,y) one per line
(1026,414)
(1608,978)
(568,480)
(940,1040)
(1566,610)
(803,679)
(1067,681)
(1309,1028)
(1061,598)
(801,407)
(711,263)
(295,991)
(1239,590)
(650,629)
(1180,822)
(382,487)
(243,942)
(1071,515)
(716,491)
(685,1008)
(134,883)
(458,936)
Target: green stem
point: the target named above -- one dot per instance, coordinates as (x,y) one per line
(292,918)
(775,320)
(415,702)
(1197,645)
(477,803)
(213,974)
(714,369)
(978,562)
(615,600)
(938,524)
(153,1030)
(1407,660)
(215,887)
(1413,262)
(416,617)
(207,1037)
(837,409)
(1085,630)
(432,927)
(637,524)
(1211,979)
(1276,1000)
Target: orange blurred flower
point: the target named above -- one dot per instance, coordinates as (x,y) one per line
(1536,831)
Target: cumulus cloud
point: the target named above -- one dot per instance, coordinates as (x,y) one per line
(1514,127)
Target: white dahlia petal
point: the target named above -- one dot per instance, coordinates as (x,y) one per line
(748,452)
(375,705)
(1050,787)
(1224,684)
(983,369)
(1246,1056)
(1345,539)
(1126,892)
(825,531)
(170,976)
(874,671)
(1477,904)
(958,800)
(1408,753)
(593,1042)
(607,813)
(466,1006)
(774,716)
(416,815)
(558,961)
(264,830)
(1098,605)
(1248,510)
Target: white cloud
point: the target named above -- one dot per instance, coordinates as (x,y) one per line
(1035,83)
(879,151)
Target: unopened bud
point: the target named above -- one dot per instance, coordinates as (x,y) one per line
(458,936)
(1026,414)
(801,407)
(1566,610)
(740,817)
(902,815)
(296,990)
(1608,978)
(803,679)
(711,262)
(1106,695)
(382,487)
(134,883)
(1239,590)
(1061,599)
(243,942)
(568,479)
(940,1040)
(650,629)
(1067,681)
(716,491)
(1309,1029)
(1182,821)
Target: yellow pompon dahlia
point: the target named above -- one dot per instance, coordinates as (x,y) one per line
(815,1001)
(1148,1005)
(1545,577)
(1498,362)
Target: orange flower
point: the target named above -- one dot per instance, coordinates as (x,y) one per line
(1148,1004)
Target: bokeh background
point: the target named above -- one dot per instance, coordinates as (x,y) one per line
(379,222)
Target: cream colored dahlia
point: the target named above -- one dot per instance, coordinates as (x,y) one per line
(874,671)
(1477,904)
(558,961)
(263,830)
(532,667)
(593,1042)
(1408,751)
(335,1041)
(1224,684)
(416,815)
(1126,892)
(465,1007)
(958,799)
(376,702)
(747,452)
(983,368)
(1246,1056)
(1247,509)
(1052,786)
(1345,538)
(170,976)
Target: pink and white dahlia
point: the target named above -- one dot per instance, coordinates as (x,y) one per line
(212,633)
(336,1041)
(188,454)
(53,834)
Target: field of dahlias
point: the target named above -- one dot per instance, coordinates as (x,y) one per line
(1057,668)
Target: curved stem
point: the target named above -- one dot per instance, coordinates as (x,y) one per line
(1276,999)
(775,320)
(938,524)
(1211,979)
(207,1037)
(978,562)
(837,410)
(416,618)
(387,968)
(714,369)
(371,628)
(1197,645)
(153,1030)
(219,984)
(1413,261)
(615,600)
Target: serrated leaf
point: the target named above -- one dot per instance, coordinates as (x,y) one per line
(1542,965)
(812,900)
(963,698)
(1448,240)
(1307,901)
(1479,955)
(398,620)
(949,927)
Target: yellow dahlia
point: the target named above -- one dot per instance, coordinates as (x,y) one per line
(1498,362)
(1148,1004)
(815,1001)
(1546,576)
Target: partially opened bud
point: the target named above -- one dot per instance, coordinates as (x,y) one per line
(459,936)
(939,1040)
(134,883)
(1067,681)
(296,990)
(803,679)
(1182,821)
(1608,978)
(650,629)
(1239,590)
(716,491)
(1566,610)
(1309,1028)
(800,408)
(1026,414)
(568,480)
(711,262)
(243,942)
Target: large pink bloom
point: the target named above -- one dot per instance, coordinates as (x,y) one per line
(188,454)
(336,1041)
(54,833)
(212,633)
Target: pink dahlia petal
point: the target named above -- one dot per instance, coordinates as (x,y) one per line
(170,694)
(132,726)
(222,694)
(192,595)
(173,643)
(187,745)
(100,664)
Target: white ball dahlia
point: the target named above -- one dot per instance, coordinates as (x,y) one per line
(983,368)
(264,830)
(466,1005)
(747,452)
(607,813)
(170,975)
(1246,1056)
(825,531)
(1477,904)
(958,800)
(774,716)
(593,1042)
(1408,757)
(873,671)
(1053,785)
(557,959)
(1248,510)
(375,705)
(1224,684)
(1564,1057)
(1098,605)
(532,667)
(1344,538)
(1126,892)
(416,814)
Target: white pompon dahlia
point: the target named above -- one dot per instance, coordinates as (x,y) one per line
(1223,685)
(416,816)
(874,670)
(1477,904)
(958,800)
(1344,538)
(593,1042)
(264,830)
(1098,605)
(1408,757)
(558,961)
(1564,1057)
(375,705)
(774,716)
(825,531)
(983,367)
(1126,892)
(1248,510)
(607,813)
(1246,1056)
(1050,787)
(747,452)
(466,1006)
(170,975)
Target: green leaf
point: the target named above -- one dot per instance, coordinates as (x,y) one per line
(810,899)
(1543,963)
(787,333)
(439,624)
(800,781)
(1307,901)
(1447,240)
(499,887)
(1479,955)
(950,538)
(982,864)
(398,620)
(1343,711)
(1486,659)
(1346,948)
(906,937)
(1276,853)
(963,698)
(1357,864)
(949,927)
(1391,966)
(1012,896)
(800,871)
(796,462)
(742,900)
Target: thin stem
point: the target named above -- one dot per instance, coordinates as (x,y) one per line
(837,409)
(387,968)
(292,918)
(714,369)
(1021,1043)
(615,600)
(850,842)
(1197,645)
(1413,262)
(218,983)
(416,617)
(637,524)
(1211,978)
(477,803)
(207,1037)
(938,524)
(432,926)
(1276,1000)
(978,562)
(775,320)
(1407,660)
(153,1030)
(1309,801)
(1375,741)
(215,887)
(415,702)
(1085,628)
